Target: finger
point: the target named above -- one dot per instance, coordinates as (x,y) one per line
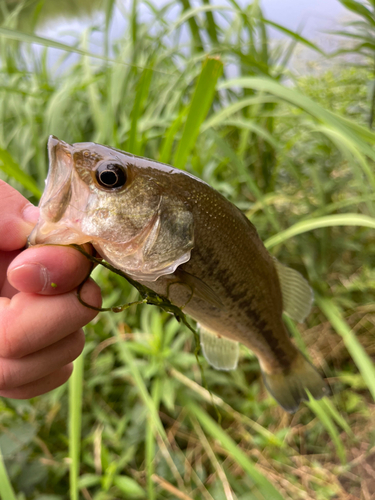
(30,322)
(41,386)
(18,217)
(48,270)
(6,290)
(17,372)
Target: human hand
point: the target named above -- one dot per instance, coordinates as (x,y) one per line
(41,318)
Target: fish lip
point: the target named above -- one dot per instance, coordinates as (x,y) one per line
(59,173)
(56,195)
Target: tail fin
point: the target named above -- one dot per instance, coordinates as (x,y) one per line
(289,389)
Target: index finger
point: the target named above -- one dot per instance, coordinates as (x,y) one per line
(17,218)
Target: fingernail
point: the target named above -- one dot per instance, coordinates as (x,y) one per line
(30,214)
(32,278)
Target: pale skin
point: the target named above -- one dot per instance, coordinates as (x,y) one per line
(41,318)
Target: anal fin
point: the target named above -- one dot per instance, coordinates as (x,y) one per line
(220,352)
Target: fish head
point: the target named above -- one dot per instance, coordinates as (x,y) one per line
(121,204)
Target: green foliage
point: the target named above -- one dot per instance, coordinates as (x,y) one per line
(299,160)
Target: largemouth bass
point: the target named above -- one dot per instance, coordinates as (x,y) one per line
(174,233)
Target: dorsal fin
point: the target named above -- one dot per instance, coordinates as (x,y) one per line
(220,352)
(297,293)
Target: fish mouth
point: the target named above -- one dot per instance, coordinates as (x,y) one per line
(55,224)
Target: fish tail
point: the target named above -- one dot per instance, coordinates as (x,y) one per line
(289,387)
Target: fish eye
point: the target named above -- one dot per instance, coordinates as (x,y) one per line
(111,175)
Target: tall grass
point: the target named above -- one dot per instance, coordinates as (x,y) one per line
(206,92)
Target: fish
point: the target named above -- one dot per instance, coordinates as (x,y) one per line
(175,234)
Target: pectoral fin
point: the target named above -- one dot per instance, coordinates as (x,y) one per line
(199,288)
(297,293)
(220,352)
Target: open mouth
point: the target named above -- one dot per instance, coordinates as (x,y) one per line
(56,224)
(58,191)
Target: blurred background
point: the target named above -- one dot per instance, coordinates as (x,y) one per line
(272,103)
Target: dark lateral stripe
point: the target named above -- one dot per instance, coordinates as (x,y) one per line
(211,264)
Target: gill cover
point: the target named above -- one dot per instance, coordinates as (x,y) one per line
(164,244)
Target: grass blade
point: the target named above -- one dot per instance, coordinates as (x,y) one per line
(359,9)
(166,148)
(295,36)
(320,411)
(6,489)
(330,408)
(326,221)
(357,352)
(150,448)
(75,422)
(193,25)
(46,42)
(140,96)
(190,13)
(211,25)
(199,107)
(252,126)
(220,117)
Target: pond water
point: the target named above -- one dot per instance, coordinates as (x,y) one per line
(314,15)
(311,18)
(307,16)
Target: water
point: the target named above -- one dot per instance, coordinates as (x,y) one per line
(311,17)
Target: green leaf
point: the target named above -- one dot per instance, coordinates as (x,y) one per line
(326,221)
(129,487)
(13,170)
(360,9)
(199,107)
(88,480)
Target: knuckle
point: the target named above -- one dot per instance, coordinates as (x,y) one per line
(5,378)
(11,345)
(7,344)
(76,345)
